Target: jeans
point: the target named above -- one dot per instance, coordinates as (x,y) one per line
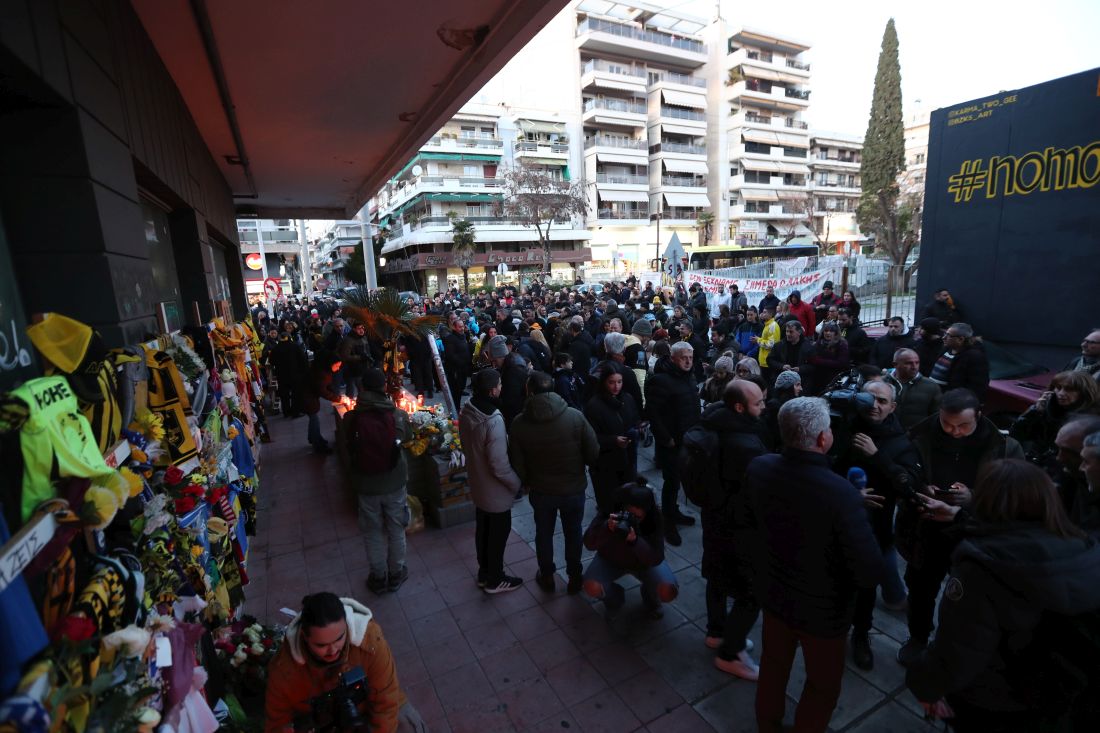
(924,586)
(667,459)
(313,431)
(652,578)
(547,507)
(824,669)
(491,537)
(733,626)
(382,520)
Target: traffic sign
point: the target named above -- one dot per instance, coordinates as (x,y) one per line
(674,257)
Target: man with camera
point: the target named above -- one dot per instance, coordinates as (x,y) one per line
(954,445)
(891,464)
(334,672)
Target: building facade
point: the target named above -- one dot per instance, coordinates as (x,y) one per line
(835,187)
(272,249)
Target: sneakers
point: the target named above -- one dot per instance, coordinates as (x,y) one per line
(376,584)
(480,579)
(506,584)
(576,582)
(713,642)
(741,666)
(546,582)
(911,650)
(672,535)
(861,651)
(396,580)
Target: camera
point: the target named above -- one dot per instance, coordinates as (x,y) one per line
(624,522)
(846,397)
(338,709)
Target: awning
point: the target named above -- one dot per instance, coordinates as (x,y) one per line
(761,165)
(620,122)
(793,141)
(540,126)
(620,158)
(760,136)
(801,230)
(686,166)
(621,195)
(759,194)
(686,199)
(684,99)
(758,73)
(623,85)
(682,130)
(544,161)
(794,168)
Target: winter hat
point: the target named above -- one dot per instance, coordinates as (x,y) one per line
(498,347)
(660,334)
(797,293)
(930,325)
(374,380)
(828,284)
(787,380)
(642,327)
(723,365)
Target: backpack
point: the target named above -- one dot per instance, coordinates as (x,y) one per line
(699,462)
(372,440)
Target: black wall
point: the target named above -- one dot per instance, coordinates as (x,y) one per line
(1024,267)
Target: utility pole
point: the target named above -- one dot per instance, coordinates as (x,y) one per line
(657,250)
(303,259)
(260,242)
(368,250)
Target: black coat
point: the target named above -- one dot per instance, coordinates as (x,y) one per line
(882,354)
(580,348)
(457,354)
(290,363)
(513,387)
(943,313)
(814,543)
(1003,578)
(928,350)
(969,369)
(612,417)
(671,402)
(794,355)
(859,344)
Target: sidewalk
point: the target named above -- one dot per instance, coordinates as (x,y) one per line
(526,660)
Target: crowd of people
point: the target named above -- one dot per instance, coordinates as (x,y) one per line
(828,454)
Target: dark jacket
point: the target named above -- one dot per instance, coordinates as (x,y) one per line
(859,343)
(457,354)
(827,360)
(768,301)
(394,479)
(942,312)
(647,551)
(290,363)
(740,439)
(744,335)
(535,353)
(671,402)
(630,381)
(612,417)
(814,542)
(882,354)
(571,387)
(969,369)
(580,348)
(917,401)
(794,355)
(549,444)
(928,350)
(1003,579)
(513,387)
(318,386)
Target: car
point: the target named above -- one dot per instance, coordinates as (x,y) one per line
(596,288)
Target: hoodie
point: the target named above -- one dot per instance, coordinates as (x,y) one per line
(1003,578)
(295,678)
(493,483)
(550,443)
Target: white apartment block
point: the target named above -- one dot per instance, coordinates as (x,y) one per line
(270,249)
(835,187)
(666,117)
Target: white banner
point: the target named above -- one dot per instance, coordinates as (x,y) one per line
(808,284)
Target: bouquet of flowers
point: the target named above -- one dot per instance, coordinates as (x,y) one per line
(245,648)
(432,432)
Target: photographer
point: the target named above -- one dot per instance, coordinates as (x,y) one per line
(881,448)
(330,637)
(629,541)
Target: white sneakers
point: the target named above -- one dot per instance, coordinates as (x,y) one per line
(742,666)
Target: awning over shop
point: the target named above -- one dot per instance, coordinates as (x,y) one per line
(760,136)
(622,195)
(620,158)
(759,194)
(793,141)
(682,130)
(684,99)
(541,126)
(687,199)
(761,165)
(685,166)
(794,168)
(545,161)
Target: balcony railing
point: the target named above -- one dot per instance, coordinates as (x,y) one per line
(475,220)
(593,25)
(797,65)
(682,212)
(683,114)
(610,68)
(467,142)
(839,159)
(614,105)
(837,184)
(622,179)
(614,142)
(765,56)
(676,78)
(759,119)
(464,181)
(671,147)
(687,181)
(532,146)
(639,213)
(796,93)
(797,124)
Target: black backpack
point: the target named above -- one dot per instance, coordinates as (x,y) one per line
(700,463)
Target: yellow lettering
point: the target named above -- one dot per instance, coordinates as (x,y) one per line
(1060,170)
(1021,185)
(1091,153)
(996,165)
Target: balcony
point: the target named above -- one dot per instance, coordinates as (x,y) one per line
(601,74)
(684,181)
(797,124)
(445,181)
(622,179)
(679,113)
(687,214)
(593,65)
(541,148)
(614,105)
(604,141)
(666,146)
(610,111)
(845,162)
(797,93)
(760,93)
(792,64)
(672,77)
(604,36)
(639,214)
(465,142)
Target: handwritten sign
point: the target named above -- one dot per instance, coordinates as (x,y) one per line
(22,548)
(16,358)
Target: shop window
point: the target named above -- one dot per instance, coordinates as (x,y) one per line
(166,284)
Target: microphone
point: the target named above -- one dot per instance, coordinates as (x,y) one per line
(858,477)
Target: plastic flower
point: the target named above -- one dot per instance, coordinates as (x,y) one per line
(150,424)
(232,432)
(173,475)
(133,481)
(147,720)
(99,508)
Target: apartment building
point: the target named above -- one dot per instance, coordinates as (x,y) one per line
(911,181)
(329,254)
(271,249)
(835,190)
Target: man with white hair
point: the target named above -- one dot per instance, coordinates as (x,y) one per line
(1086,506)
(815,551)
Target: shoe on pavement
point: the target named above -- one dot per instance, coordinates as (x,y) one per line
(506,584)
(376,584)
(672,535)
(576,582)
(741,666)
(546,582)
(397,579)
(861,651)
(683,519)
(713,642)
(911,650)
(902,605)
(480,579)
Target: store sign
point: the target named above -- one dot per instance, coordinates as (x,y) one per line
(533,256)
(254,261)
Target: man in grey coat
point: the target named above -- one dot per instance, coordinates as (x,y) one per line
(550,444)
(493,483)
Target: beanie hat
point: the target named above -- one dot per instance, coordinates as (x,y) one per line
(787,380)
(723,365)
(374,380)
(828,284)
(642,327)
(498,347)
(931,325)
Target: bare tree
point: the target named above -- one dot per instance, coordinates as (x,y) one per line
(537,199)
(802,205)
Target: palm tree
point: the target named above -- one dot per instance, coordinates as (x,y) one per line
(703,224)
(387,317)
(463,237)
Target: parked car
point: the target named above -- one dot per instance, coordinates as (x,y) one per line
(406,294)
(596,288)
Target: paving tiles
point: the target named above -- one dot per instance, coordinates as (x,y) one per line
(575,680)
(605,712)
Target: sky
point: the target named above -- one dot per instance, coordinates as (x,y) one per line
(950,50)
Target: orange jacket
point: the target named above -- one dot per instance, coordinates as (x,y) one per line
(293,679)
